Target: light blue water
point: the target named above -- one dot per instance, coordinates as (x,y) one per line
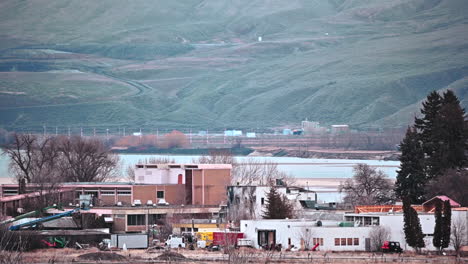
(297,167)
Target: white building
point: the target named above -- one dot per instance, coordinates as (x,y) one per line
(394,223)
(305,234)
(253,198)
(173,173)
(357,231)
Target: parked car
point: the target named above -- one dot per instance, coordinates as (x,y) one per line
(391,246)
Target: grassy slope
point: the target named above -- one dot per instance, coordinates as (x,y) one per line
(180,63)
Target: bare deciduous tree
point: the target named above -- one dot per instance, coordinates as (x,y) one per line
(86,160)
(459,234)
(217,156)
(257,172)
(305,235)
(34,161)
(378,235)
(249,172)
(367,187)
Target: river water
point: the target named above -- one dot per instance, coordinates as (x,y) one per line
(296,167)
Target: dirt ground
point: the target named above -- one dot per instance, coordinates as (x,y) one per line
(239,256)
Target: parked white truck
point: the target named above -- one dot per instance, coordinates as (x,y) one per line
(175,242)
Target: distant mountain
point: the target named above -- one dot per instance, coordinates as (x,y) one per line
(200,64)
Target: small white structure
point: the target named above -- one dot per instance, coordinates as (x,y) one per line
(233,133)
(303,234)
(259,39)
(287,132)
(339,129)
(251,135)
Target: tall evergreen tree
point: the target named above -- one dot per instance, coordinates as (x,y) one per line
(451,133)
(426,126)
(442,228)
(411,179)
(437,239)
(413,233)
(439,141)
(446,225)
(277,206)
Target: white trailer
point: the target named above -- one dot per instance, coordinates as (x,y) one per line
(129,240)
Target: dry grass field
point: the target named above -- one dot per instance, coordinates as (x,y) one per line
(239,256)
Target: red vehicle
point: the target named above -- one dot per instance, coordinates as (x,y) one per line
(390,246)
(226,238)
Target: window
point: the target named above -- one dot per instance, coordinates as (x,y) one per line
(10,192)
(119,216)
(160,194)
(262,201)
(317,240)
(342,241)
(367,221)
(140,166)
(104,193)
(122,192)
(151,166)
(134,220)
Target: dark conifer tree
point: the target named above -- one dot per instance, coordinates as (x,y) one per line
(426,127)
(412,228)
(437,239)
(277,206)
(411,178)
(446,224)
(452,133)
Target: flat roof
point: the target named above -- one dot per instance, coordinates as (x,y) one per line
(187,166)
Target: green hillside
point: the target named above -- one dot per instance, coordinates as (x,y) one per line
(199,64)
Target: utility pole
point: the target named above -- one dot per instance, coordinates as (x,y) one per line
(190,133)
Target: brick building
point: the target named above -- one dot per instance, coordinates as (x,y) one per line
(177,191)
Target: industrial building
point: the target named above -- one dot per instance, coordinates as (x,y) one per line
(300,233)
(176,191)
(353,232)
